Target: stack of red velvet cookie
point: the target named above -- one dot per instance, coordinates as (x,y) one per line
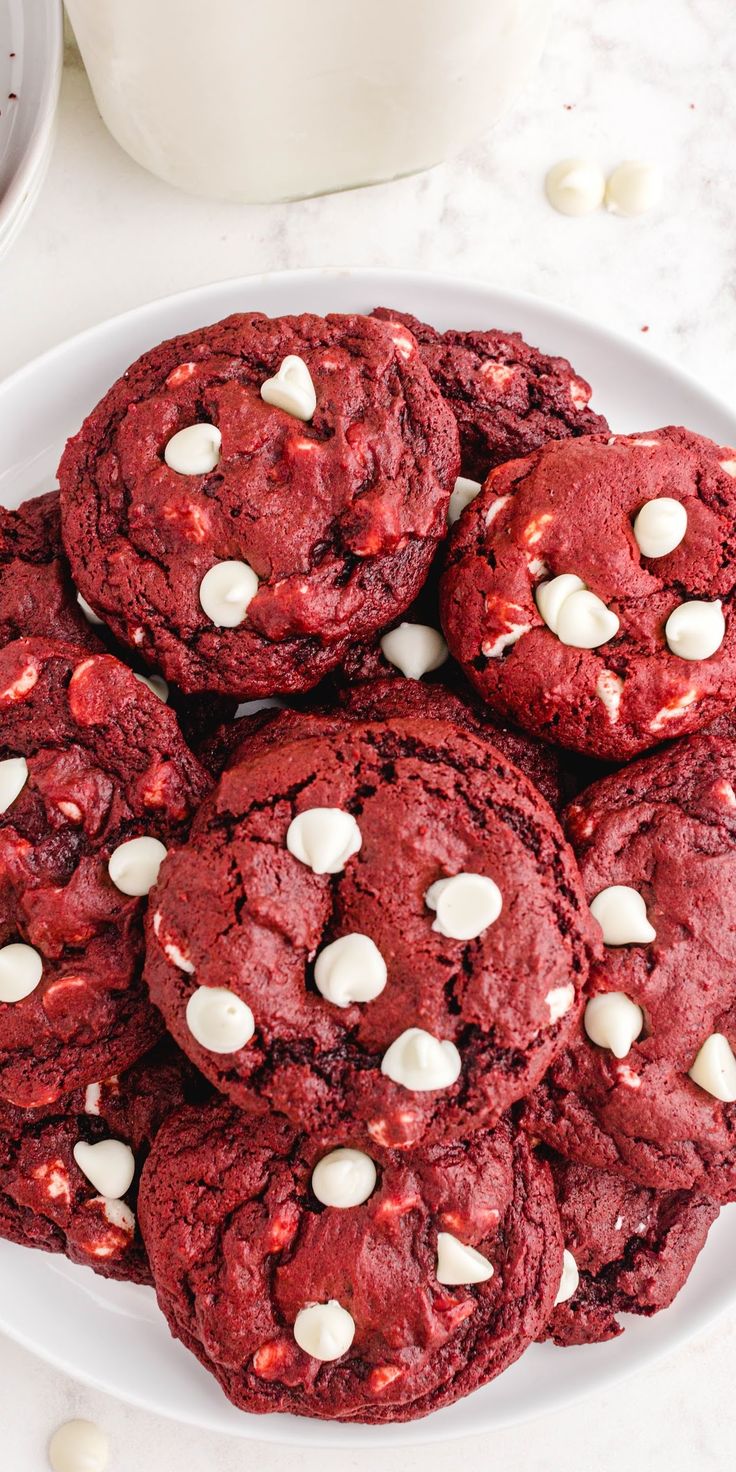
(450,1004)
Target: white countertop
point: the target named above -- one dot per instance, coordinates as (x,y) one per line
(619,79)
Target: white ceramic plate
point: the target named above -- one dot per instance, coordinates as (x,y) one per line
(31,51)
(110,1334)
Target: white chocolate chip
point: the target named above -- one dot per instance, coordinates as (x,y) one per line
(675,709)
(660,526)
(560,1000)
(633,188)
(218,1020)
(156,684)
(89,613)
(613,1021)
(344,1178)
(584,622)
(117,1213)
(551,596)
(178,958)
(226,592)
(133,866)
(109,1165)
(21,969)
(465,491)
(609,687)
(575,186)
(79,1446)
(569,1280)
(92,1095)
(350,969)
(466,904)
(421,1062)
(457,1263)
(324,1330)
(323,839)
(13,778)
(415,649)
(695,630)
(194,450)
(622,916)
(714,1068)
(291,389)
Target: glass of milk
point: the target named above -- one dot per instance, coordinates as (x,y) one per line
(278,99)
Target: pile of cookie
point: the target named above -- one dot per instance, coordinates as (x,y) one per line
(388,1026)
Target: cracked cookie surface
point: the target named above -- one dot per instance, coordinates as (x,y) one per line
(234,910)
(239,1244)
(99,760)
(337,517)
(570,510)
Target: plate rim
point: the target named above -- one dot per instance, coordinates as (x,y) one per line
(285,1430)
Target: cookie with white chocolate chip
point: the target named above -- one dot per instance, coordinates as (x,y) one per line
(508,397)
(590,590)
(648,1087)
(628,1249)
(338,1279)
(250,498)
(37,596)
(371,920)
(69,1173)
(95,781)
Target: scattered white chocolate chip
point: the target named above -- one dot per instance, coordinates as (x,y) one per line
(559,1001)
(133,866)
(109,1165)
(13,778)
(88,611)
(465,491)
(714,1068)
(117,1213)
(177,957)
(695,630)
(226,592)
(575,186)
(92,1096)
(21,969)
(78,1446)
(291,389)
(613,1021)
(569,1280)
(156,684)
(344,1178)
(457,1263)
(323,839)
(633,188)
(466,904)
(609,687)
(218,1020)
(550,596)
(421,1062)
(584,622)
(660,526)
(415,649)
(194,450)
(622,916)
(350,969)
(324,1330)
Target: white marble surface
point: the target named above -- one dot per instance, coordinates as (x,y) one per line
(620,78)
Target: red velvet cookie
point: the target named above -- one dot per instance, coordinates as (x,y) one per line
(372,1286)
(63,1190)
(90,760)
(628,1249)
(589,590)
(37,595)
(251,497)
(508,398)
(378,922)
(648,1087)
